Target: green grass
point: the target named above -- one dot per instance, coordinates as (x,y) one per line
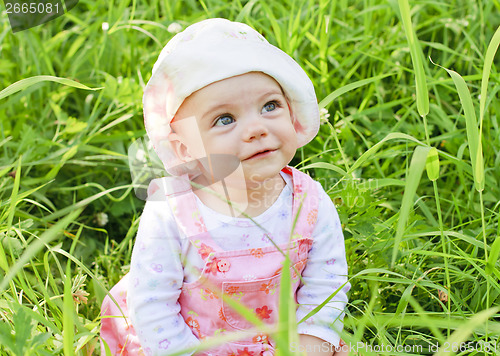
(408,91)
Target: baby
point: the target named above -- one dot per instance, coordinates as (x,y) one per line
(226,111)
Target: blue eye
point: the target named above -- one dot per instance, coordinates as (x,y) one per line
(224,120)
(270,106)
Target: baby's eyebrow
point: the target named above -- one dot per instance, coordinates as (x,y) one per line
(207,115)
(272,92)
(217,107)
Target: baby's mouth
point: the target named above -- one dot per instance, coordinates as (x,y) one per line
(260,154)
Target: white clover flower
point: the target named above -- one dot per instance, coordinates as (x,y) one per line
(102,219)
(174,27)
(105,26)
(323,116)
(140,155)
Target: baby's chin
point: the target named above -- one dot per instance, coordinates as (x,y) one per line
(231,176)
(269,180)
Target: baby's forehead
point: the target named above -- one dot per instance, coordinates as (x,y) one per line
(233,92)
(251,83)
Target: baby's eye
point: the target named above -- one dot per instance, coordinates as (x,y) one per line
(270,106)
(224,120)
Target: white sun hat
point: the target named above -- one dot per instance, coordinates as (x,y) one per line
(210,51)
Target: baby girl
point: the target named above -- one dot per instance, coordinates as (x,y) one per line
(226,111)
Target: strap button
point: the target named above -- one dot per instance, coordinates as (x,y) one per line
(223,265)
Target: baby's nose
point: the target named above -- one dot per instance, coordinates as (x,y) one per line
(255,128)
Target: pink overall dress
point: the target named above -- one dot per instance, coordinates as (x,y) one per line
(202,306)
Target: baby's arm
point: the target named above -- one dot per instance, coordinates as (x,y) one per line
(325,272)
(156,278)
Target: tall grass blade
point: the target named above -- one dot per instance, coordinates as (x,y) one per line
(416,58)
(68,326)
(488,61)
(25,83)
(325,165)
(493,257)
(413,178)
(476,152)
(285,300)
(13,196)
(340,91)
(320,306)
(465,330)
(12,208)
(38,244)
(372,150)
(68,323)
(432,164)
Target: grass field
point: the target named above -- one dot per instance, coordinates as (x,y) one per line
(409,152)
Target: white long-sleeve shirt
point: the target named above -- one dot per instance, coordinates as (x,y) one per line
(163,257)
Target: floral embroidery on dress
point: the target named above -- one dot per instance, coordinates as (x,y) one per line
(164,344)
(201,225)
(152,284)
(260,338)
(257,252)
(198,221)
(212,266)
(158,329)
(331,261)
(297,236)
(208,294)
(157,267)
(232,290)
(264,312)
(220,331)
(193,324)
(312,216)
(123,298)
(245,352)
(221,315)
(205,250)
(283,214)
(122,350)
(267,288)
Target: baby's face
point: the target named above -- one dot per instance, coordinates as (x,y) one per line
(246,116)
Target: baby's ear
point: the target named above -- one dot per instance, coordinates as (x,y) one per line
(178,146)
(296,124)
